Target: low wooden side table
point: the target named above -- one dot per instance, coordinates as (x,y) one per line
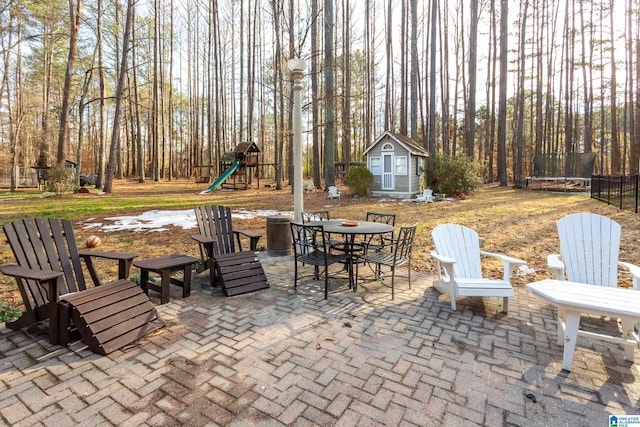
(164,266)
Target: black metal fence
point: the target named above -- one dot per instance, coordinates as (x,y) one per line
(616,190)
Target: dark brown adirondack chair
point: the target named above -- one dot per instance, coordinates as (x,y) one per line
(52,285)
(237,271)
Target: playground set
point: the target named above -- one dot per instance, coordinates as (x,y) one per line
(237,167)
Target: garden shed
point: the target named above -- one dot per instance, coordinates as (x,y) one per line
(396,162)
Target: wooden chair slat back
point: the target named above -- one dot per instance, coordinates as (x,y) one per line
(215,222)
(33,295)
(590,245)
(49,245)
(462,244)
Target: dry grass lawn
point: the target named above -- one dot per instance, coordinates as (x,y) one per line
(519,223)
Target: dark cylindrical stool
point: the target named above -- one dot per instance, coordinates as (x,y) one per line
(279,235)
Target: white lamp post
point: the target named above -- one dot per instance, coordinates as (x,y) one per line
(297,67)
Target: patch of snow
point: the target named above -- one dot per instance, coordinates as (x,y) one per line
(157,220)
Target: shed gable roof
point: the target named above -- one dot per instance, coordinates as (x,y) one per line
(409,144)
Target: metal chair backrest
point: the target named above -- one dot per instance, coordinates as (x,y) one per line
(308,239)
(315,216)
(404,242)
(378,239)
(386,218)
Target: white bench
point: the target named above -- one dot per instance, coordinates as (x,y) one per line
(572,299)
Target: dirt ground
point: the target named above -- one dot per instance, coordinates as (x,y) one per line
(520,223)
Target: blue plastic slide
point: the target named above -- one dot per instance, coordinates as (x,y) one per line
(222,178)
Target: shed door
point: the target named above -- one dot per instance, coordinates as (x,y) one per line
(387,171)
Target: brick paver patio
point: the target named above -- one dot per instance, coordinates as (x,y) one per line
(276,357)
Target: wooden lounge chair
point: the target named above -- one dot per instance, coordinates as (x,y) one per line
(333,192)
(457,252)
(426,196)
(238,271)
(52,285)
(589,254)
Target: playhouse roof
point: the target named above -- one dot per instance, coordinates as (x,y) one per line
(247,147)
(412,146)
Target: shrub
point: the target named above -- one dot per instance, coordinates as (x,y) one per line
(60,179)
(452,175)
(8,313)
(359,180)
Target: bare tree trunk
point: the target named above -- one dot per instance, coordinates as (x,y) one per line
(491,92)
(75,11)
(432,80)
(520,99)
(636,111)
(470,115)
(569,49)
(539,115)
(277,94)
(403,68)
(290,106)
(137,119)
(81,106)
(15,105)
(502,98)
(414,71)
(586,84)
(346,94)
(329,88)
(446,117)
(108,186)
(315,110)
(388,93)
(103,94)
(369,75)
(616,161)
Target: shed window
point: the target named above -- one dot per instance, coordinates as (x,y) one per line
(401,165)
(387,146)
(375,165)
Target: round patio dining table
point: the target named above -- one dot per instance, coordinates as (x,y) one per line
(351,228)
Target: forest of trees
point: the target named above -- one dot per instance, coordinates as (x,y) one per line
(154,89)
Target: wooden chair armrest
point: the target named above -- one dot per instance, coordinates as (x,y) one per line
(124,263)
(510,263)
(554,263)
(248,233)
(442,259)
(48,279)
(505,258)
(29,274)
(201,238)
(108,255)
(445,263)
(253,239)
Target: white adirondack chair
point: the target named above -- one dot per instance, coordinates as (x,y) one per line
(426,196)
(333,192)
(457,251)
(589,250)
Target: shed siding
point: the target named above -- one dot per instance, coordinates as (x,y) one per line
(404,185)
